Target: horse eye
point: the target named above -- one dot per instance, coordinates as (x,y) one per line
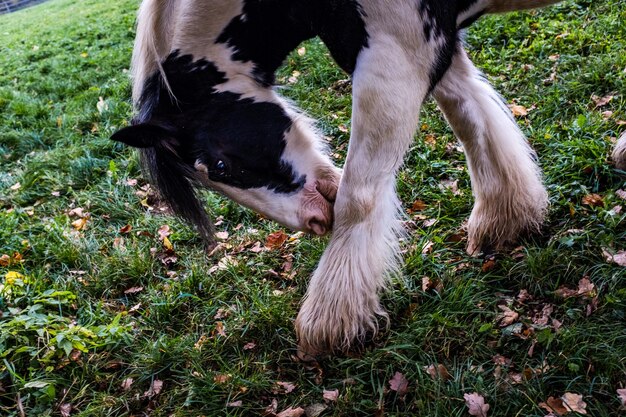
(220,166)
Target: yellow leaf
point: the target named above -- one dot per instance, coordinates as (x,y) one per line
(167,243)
(12,276)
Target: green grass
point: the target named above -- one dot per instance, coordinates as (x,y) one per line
(71,332)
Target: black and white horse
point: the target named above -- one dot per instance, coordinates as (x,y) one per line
(208,116)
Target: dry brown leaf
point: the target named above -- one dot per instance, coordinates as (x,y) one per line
(133,290)
(593,200)
(237,403)
(399,384)
(284,387)
(331,395)
(163,232)
(618,258)
(621,194)
(476,404)
(507,317)
(430,140)
(601,101)
(451,185)
(291,412)
(501,360)
(249,346)
(222,235)
(542,318)
(427,248)
(271,409)
(275,240)
(222,378)
(126,229)
(586,287)
(127,383)
(554,405)
(315,409)
(220,328)
(438,371)
(78,212)
(574,402)
(517,110)
(418,205)
(155,389)
(65,410)
(488,265)
(80,224)
(621,393)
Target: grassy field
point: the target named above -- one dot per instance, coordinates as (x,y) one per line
(111,307)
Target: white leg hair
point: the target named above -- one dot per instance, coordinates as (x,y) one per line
(341,305)
(619,153)
(506,181)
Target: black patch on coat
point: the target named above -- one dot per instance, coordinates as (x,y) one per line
(439,19)
(268,30)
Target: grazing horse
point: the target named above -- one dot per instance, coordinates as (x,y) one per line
(207,115)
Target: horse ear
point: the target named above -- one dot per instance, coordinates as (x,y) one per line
(144,135)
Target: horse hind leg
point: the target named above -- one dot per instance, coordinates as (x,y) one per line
(506,181)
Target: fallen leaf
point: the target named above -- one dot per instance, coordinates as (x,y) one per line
(574,402)
(438,371)
(586,287)
(331,395)
(301,51)
(476,404)
(517,110)
(399,384)
(488,265)
(275,240)
(221,378)
(220,328)
(237,403)
(78,212)
(271,409)
(15,186)
(291,412)
(593,200)
(619,258)
(65,410)
(429,222)
(418,205)
(163,232)
(167,244)
(554,405)
(507,317)
(284,387)
(621,194)
(222,235)
(127,383)
(428,248)
(155,389)
(249,346)
(451,185)
(622,396)
(601,101)
(102,105)
(133,290)
(431,141)
(126,229)
(542,318)
(315,410)
(80,224)
(431,284)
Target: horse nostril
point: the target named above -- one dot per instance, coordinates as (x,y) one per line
(317,226)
